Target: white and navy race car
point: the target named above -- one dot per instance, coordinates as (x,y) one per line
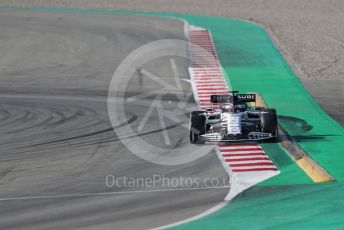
(233,119)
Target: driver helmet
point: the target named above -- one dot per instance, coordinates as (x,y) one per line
(227,107)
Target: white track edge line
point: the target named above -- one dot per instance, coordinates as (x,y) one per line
(105,193)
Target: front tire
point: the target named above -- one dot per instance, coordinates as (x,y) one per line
(269,123)
(197,126)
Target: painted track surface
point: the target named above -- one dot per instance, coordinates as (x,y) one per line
(253,207)
(209,80)
(247,164)
(56,138)
(260,208)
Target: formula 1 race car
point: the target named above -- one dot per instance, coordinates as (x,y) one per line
(230,118)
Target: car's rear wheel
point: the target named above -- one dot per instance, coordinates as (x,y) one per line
(197,126)
(269,122)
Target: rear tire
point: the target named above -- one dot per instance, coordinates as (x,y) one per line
(269,123)
(197,126)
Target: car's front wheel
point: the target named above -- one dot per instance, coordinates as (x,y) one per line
(269,122)
(197,126)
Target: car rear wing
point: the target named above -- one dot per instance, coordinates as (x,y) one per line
(234,97)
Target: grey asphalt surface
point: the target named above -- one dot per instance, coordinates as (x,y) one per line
(309,34)
(57,144)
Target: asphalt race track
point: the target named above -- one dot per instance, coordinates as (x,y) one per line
(57,144)
(309,24)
